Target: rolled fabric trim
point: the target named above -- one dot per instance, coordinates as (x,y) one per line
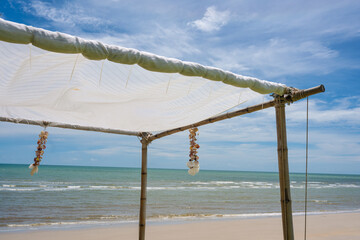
(95,50)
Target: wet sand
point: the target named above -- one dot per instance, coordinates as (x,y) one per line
(319,227)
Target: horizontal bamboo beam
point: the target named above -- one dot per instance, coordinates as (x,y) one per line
(289,98)
(68,126)
(300,94)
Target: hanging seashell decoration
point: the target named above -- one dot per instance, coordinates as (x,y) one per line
(193,163)
(39,152)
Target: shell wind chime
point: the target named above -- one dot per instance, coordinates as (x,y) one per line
(39,152)
(193,162)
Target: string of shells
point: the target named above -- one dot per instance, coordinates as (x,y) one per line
(39,152)
(193,163)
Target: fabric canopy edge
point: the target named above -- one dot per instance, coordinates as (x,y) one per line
(95,50)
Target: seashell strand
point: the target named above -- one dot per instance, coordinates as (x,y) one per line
(193,163)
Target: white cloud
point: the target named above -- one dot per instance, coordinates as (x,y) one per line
(70,14)
(212,20)
(165,41)
(337,112)
(277,57)
(110,150)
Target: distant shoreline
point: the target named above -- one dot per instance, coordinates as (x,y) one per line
(179,169)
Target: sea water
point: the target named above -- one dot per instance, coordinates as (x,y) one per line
(74,196)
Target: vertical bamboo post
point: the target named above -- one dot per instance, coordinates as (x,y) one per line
(284,179)
(142,217)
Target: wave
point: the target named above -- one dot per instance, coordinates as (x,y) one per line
(47,224)
(212,216)
(114,219)
(196,185)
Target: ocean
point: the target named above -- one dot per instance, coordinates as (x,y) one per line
(72,196)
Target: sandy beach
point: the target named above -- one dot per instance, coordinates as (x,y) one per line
(330,227)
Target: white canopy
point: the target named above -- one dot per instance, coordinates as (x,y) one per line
(55,77)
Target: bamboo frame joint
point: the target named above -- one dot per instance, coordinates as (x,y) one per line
(294,94)
(45,124)
(146,138)
(279,100)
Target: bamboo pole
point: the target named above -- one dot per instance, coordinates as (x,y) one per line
(142,215)
(69,126)
(284,179)
(297,95)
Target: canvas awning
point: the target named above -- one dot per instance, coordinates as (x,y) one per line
(55,77)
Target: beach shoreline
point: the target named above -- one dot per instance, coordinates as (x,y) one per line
(172,220)
(323,226)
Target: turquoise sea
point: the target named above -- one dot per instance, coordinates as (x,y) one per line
(70,196)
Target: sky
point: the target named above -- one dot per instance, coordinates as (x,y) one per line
(298,43)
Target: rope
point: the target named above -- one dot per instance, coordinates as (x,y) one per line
(128,77)
(102,66)
(307,158)
(72,72)
(30,56)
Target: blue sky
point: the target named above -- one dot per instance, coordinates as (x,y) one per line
(298,43)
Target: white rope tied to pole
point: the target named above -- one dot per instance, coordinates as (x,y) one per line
(307,158)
